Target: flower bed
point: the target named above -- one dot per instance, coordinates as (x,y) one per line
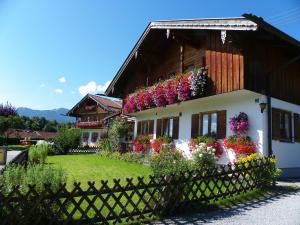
(177,89)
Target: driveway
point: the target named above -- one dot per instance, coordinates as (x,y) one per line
(280,206)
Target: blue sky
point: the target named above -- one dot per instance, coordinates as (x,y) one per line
(49,49)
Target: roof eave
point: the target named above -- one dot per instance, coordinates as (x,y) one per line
(246,25)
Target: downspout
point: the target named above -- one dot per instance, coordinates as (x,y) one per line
(269,102)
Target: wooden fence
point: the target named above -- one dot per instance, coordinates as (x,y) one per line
(130,199)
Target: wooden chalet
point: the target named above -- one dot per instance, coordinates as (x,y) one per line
(252,67)
(91,114)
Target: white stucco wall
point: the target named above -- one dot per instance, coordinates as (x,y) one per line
(90,131)
(233,103)
(287,154)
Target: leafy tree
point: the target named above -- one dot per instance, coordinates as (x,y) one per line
(7,110)
(66,139)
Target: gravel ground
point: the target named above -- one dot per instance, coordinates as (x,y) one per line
(280,206)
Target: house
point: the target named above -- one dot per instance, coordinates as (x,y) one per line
(91,113)
(251,67)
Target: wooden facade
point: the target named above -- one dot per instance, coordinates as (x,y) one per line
(241,62)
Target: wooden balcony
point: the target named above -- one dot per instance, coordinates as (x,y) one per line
(93,124)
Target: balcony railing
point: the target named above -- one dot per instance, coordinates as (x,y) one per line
(89,124)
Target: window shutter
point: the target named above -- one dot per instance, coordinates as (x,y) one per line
(275,124)
(151,127)
(221,124)
(297,127)
(175,133)
(139,128)
(158,128)
(195,126)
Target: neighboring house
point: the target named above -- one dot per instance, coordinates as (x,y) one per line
(91,113)
(252,67)
(27,134)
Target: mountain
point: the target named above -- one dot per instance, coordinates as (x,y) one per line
(54,114)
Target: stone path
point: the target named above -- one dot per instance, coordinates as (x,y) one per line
(280,206)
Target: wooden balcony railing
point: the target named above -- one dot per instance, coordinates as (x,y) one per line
(89,124)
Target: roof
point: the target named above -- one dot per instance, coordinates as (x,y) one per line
(31,134)
(110,105)
(248,22)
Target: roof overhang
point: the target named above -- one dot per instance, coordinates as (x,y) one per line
(246,23)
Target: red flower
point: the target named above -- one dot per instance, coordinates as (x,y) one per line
(217,146)
(140,104)
(171,94)
(184,92)
(240,145)
(156,145)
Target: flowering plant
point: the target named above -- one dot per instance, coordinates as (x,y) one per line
(148,98)
(140,103)
(184,92)
(242,145)
(130,104)
(197,82)
(239,123)
(141,143)
(209,142)
(171,90)
(179,88)
(204,156)
(159,96)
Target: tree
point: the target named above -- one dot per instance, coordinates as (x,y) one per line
(7,110)
(67,138)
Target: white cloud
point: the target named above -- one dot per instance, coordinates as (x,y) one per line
(62,80)
(42,85)
(59,91)
(92,88)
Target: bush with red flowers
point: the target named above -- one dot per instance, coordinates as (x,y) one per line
(171,91)
(184,92)
(141,143)
(140,100)
(241,145)
(159,96)
(158,143)
(179,88)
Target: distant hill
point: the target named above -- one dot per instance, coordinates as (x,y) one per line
(54,114)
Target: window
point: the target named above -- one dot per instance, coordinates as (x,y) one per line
(209,124)
(145,127)
(297,127)
(85,136)
(168,127)
(95,136)
(281,125)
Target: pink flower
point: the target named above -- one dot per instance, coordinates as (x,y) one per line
(184,92)
(159,99)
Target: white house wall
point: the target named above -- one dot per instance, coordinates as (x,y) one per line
(287,154)
(233,103)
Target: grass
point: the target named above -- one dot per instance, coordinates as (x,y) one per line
(91,167)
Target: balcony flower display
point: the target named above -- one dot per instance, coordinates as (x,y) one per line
(197,82)
(239,124)
(179,88)
(140,100)
(148,98)
(159,96)
(130,104)
(184,91)
(171,91)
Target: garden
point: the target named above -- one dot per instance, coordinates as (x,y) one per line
(152,180)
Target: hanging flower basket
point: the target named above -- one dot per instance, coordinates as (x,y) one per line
(179,88)
(239,124)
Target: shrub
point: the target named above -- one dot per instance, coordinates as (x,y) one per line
(204,157)
(169,161)
(38,153)
(242,145)
(157,144)
(209,141)
(141,143)
(34,175)
(105,144)
(116,130)
(135,157)
(105,153)
(269,173)
(66,139)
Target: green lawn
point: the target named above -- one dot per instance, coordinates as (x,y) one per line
(91,167)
